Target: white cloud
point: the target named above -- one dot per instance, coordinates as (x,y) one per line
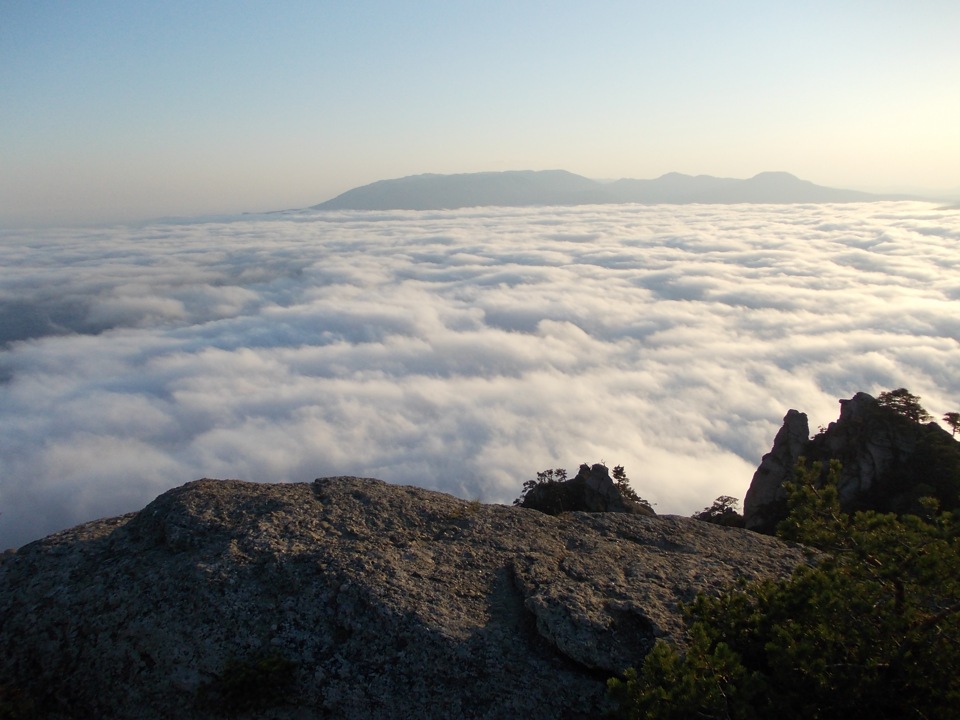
(461,350)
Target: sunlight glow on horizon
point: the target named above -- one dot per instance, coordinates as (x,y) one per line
(118,111)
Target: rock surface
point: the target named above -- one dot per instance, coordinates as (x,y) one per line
(888,462)
(765,503)
(592,490)
(358,598)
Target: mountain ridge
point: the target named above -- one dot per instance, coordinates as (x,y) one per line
(519,188)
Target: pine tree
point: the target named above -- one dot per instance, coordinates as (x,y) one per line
(952,419)
(905,403)
(869,629)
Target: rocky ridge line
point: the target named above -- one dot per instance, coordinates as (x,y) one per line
(889,462)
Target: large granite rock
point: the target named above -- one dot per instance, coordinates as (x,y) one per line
(888,462)
(351,598)
(765,503)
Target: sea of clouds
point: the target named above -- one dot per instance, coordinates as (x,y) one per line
(459,350)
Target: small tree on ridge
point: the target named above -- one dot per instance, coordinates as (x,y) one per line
(952,419)
(905,403)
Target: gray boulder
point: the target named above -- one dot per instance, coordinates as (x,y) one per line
(352,598)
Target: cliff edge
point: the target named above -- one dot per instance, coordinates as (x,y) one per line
(889,462)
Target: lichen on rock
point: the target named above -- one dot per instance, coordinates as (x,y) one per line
(368,600)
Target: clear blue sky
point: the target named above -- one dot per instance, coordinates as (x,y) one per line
(125,110)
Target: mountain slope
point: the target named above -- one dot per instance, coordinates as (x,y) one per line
(436,192)
(351,598)
(559,187)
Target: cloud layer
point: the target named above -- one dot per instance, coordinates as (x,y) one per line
(458,350)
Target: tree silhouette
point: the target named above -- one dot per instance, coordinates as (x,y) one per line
(953,420)
(905,403)
(722,512)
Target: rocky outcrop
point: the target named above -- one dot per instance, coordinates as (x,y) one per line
(352,598)
(888,462)
(592,490)
(765,503)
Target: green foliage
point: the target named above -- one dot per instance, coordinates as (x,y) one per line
(815,518)
(952,419)
(722,512)
(250,684)
(626,491)
(545,477)
(922,460)
(623,483)
(551,499)
(869,629)
(709,681)
(933,470)
(903,402)
(552,493)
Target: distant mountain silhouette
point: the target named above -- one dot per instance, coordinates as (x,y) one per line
(558,187)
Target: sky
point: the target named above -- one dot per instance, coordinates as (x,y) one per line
(460,350)
(119,111)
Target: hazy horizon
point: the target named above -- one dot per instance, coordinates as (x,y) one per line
(129,111)
(921,194)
